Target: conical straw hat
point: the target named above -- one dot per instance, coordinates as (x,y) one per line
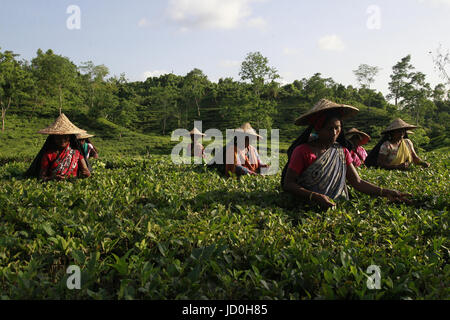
(84,136)
(246,129)
(62,125)
(196,132)
(365,137)
(399,124)
(322,105)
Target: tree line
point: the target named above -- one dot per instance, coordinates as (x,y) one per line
(50,84)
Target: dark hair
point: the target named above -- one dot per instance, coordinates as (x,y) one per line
(35,167)
(354,145)
(372,157)
(235,140)
(303,138)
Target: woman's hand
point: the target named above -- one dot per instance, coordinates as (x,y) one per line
(403,166)
(323,201)
(425,164)
(84,169)
(60,177)
(397,196)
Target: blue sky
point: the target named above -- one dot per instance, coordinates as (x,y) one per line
(142,38)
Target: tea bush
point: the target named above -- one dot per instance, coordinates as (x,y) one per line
(144,228)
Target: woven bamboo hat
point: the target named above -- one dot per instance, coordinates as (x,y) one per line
(84,136)
(247,130)
(364,136)
(196,132)
(325,105)
(399,124)
(62,125)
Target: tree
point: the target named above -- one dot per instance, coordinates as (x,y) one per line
(13,81)
(317,88)
(194,88)
(399,79)
(165,98)
(439,92)
(365,75)
(260,113)
(57,77)
(273,90)
(256,69)
(95,77)
(105,100)
(125,113)
(229,97)
(441,62)
(416,97)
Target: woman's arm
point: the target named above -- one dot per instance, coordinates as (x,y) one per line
(361,185)
(43,171)
(84,169)
(371,189)
(357,161)
(93,152)
(258,158)
(291,186)
(415,157)
(203,152)
(240,170)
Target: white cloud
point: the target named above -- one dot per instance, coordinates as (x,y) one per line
(229,63)
(212,14)
(155,73)
(143,23)
(331,43)
(259,23)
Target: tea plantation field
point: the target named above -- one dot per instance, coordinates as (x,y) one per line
(143,228)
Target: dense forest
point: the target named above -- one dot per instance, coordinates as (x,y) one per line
(51,83)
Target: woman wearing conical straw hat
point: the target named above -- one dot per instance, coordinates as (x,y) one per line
(88,148)
(357,151)
(318,170)
(61,156)
(395,150)
(195,148)
(241,157)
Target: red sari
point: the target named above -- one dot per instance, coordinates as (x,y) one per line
(65,164)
